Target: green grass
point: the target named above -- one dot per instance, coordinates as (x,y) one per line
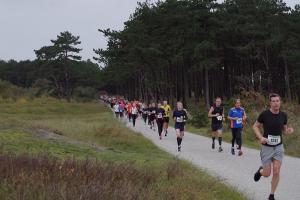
(156,175)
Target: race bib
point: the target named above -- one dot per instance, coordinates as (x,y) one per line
(239,120)
(153,112)
(219,118)
(159,116)
(274,140)
(179,119)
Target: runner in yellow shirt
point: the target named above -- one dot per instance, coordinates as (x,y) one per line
(167,109)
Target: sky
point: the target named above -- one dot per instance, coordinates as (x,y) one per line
(26,25)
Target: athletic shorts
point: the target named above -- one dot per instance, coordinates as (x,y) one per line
(179,126)
(166,119)
(216,127)
(268,154)
(145,116)
(152,117)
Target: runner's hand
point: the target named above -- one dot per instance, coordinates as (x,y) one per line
(263,140)
(289,130)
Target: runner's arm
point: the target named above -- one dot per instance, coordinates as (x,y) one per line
(229,116)
(256,128)
(210,115)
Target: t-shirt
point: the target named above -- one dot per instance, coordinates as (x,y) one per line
(180,116)
(167,109)
(239,113)
(134,110)
(160,112)
(152,111)
(273,125)
(145,111)
(116,108)
(219,119)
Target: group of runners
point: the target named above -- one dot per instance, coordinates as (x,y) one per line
(272,121)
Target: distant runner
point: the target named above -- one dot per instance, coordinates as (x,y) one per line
(237,116)
(216,112)
(180,117)
(160,112)
(167,109)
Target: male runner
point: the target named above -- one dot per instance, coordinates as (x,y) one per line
(274,122)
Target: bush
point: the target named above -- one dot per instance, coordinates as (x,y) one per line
(10,92)
(84,93)
(198,117)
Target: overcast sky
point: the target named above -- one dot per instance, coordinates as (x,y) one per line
(26,25)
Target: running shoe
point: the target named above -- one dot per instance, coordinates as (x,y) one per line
(271,197)
(240,153)
(220,149)
(257,174)
(232,151)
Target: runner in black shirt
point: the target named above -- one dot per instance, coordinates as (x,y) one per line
(160,113)
(216,113)
(274,123)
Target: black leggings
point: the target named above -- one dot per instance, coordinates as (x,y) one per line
(145,118)
(237,137)
(160,124)
(133,116)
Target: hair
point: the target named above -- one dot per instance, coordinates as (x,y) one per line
(272,95)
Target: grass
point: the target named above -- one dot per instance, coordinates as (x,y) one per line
(127,167)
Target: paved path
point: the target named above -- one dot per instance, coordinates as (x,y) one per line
(234,170)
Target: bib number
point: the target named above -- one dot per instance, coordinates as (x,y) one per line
(220,118)
(274,140)
(179,119)
(159,116)
(239,121)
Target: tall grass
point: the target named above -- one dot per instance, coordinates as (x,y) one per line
(129,167)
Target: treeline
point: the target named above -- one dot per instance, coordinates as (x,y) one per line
(58,71)
(190,49)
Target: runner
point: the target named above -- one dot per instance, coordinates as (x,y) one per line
(274,122)
(149,114)
(144,112)
(160,113)
(167,109)
(134,113)
(116,110)
(129,109)
(121,109)
(180,117)
(152,116)
(237,116)
(216,112)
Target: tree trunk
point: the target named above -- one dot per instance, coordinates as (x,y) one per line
(206,88)
(287,81)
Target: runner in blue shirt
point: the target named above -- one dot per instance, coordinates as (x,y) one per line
(237,116)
